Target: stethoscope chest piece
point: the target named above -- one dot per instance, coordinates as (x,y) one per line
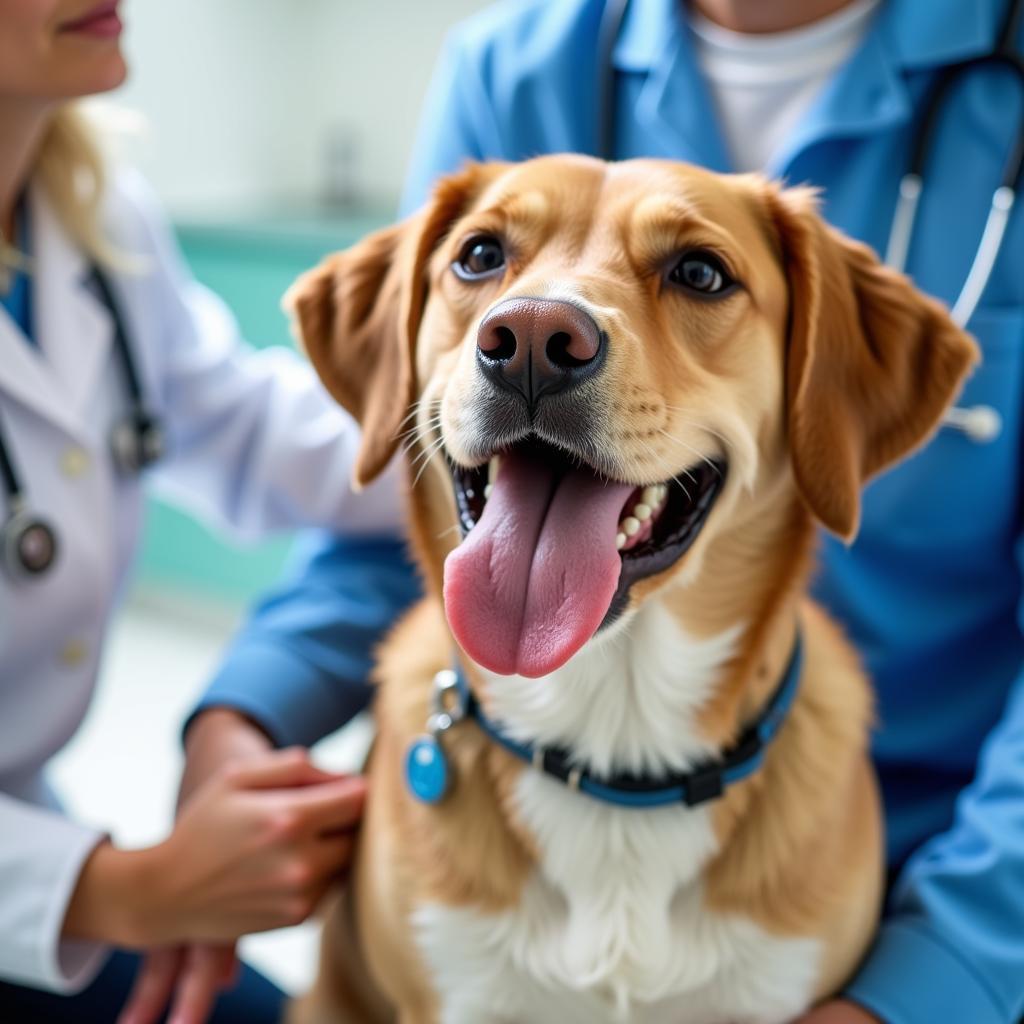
(28,545)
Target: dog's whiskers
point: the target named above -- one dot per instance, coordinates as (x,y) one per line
(420,433)
(654,458)
(696,423)
(430,452)
(413,410)
(689,447)
(428,448)
(418,426)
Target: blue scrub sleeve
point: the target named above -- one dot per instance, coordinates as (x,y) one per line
(951,947)
(300,666)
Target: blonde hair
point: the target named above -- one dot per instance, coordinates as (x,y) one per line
(71,167)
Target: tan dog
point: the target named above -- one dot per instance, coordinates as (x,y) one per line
(679,372)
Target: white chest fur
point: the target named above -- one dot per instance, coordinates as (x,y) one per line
(612,926)
(612,929)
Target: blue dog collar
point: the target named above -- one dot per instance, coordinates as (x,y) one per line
(429,775)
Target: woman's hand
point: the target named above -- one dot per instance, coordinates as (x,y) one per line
(217,739)
(254,849)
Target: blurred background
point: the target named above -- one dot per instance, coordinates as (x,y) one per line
(274,131)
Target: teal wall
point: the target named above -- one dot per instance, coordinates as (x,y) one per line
(250,263)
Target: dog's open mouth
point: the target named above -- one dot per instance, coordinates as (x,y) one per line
(552,547)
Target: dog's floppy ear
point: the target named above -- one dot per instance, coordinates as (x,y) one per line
(871,362)
(358,313)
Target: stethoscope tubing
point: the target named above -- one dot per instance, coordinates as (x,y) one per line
(28,543)
(7,473)
(1003,198)
(984,261)
(980,423)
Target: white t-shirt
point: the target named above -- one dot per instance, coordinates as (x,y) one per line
(763,84)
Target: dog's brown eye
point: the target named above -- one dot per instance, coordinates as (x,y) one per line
(701,272)
(481,257)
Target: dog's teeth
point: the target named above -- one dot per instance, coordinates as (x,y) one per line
(630,526)
(487,490)
(492,469)
(650,497)
(620,541)
(642,512)
(662,490)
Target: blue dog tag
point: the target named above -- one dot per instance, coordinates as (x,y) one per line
(426,770)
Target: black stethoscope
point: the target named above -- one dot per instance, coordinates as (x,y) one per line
(28,543)
(980,423)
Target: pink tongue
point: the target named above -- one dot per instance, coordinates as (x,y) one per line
(533,580)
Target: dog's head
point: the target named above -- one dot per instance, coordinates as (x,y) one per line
(601,368)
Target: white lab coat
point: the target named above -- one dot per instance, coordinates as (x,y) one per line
(254,443)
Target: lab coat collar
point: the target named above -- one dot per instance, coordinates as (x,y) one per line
(72,328)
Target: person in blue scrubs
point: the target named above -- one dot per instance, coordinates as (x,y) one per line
(930,592)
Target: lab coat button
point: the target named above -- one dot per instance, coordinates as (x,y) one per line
(73,653)
(74,462)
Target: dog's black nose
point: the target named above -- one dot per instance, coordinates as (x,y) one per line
(539,346)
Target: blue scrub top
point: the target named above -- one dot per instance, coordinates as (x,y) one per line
(931,591)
